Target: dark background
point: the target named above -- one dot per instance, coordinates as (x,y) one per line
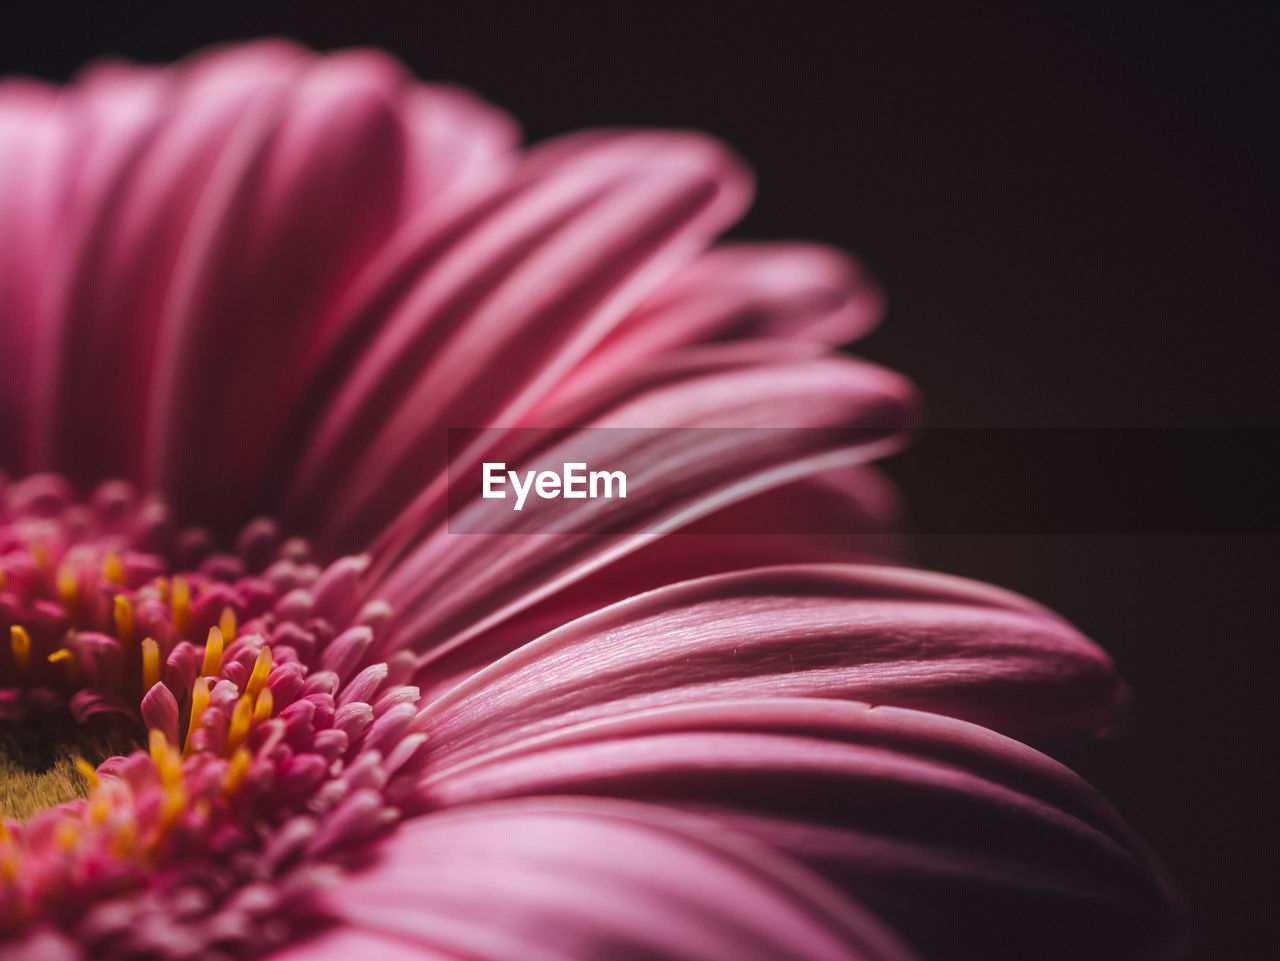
(1073,208)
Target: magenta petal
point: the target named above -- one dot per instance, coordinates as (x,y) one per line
(515,295)
(788,291)
(31,143)
(876,634)
(152,139)
(968,843)
(300,199)
(350,943)
(570,879)
(260,180)
(455,586)
(160,711)
(848,515)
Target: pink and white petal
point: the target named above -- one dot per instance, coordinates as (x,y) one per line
(502,305)
(737,291)
(567,879)
(970,844)
(877,634)
(817,415)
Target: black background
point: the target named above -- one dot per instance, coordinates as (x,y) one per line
(1073,208)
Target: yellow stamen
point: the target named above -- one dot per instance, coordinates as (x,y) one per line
(172,804)
(199,702)
(237,771)
(4,830)
(99,807)
(68,586)
(122,614)
(261,671)
(87,771)
(113,569)
(263,707)
(67,658)
(40,554)
(227,624)
(125,840)
(20,645)
(150,664)
(212,653)
(241,719)
(165,757)
(180,605)
(66,836)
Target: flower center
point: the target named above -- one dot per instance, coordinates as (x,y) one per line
(94,622)
(183,720)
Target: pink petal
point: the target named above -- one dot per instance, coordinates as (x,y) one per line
(742,291)
(455,586)
(150,140)
(31,144)
(349,943)
(570,879)
(969,843)
(848,515)
(186,234)
(503,304)
(299,201)
(875,634)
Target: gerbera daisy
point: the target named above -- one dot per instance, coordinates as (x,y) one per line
(256,696)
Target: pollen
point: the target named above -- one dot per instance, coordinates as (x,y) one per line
(68,586)
(199,703)
(122,616)
(87,771)
(147,716)
(237,771)
(241,721)
(20,645)
(261,671)
(212,653)
(113,568)
(150,664)
(180,604)
(227,623)
(263,707)
(166,759)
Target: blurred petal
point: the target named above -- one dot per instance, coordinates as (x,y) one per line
(32,141)
(347,943)
(568,879)
(970,844)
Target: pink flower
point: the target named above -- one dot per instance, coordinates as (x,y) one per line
(262,284)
